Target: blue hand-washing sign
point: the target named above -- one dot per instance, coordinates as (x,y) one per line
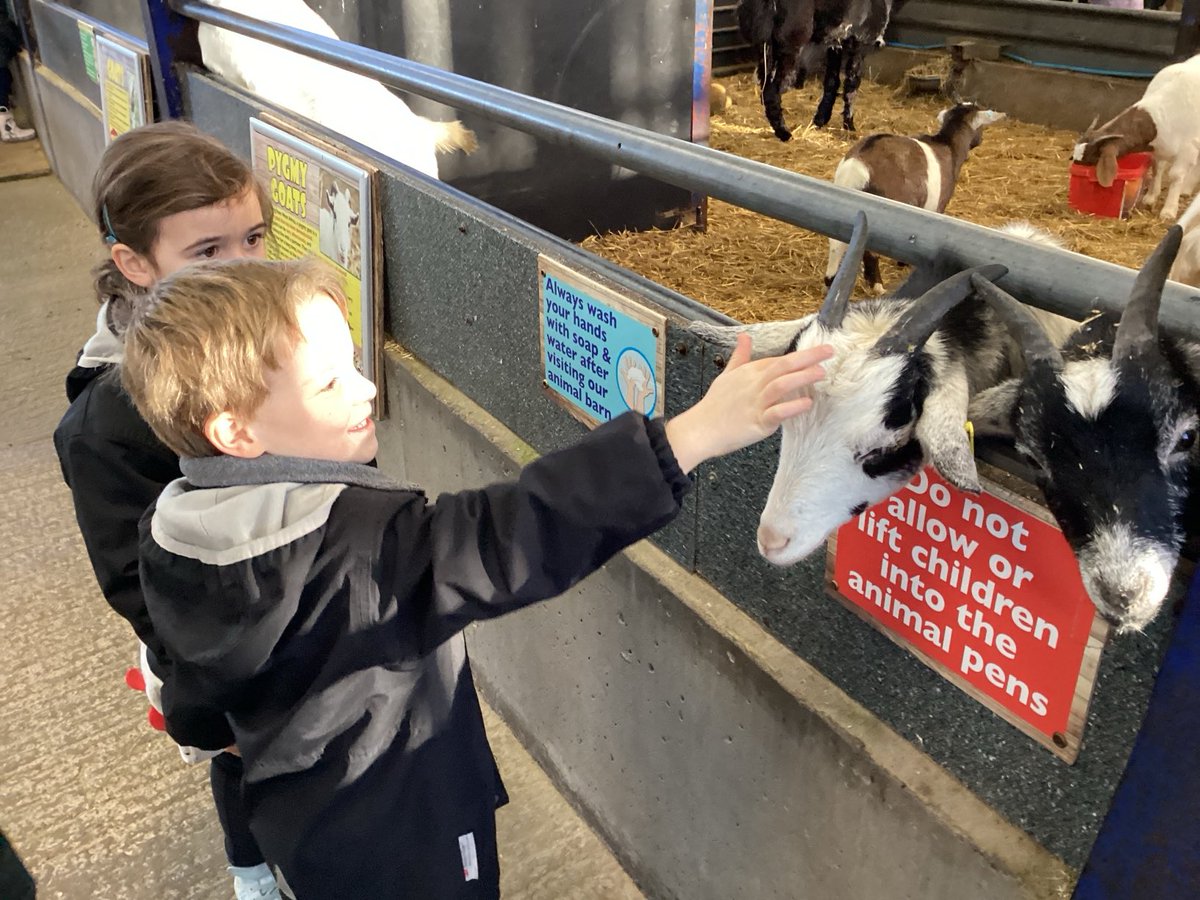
(601,353)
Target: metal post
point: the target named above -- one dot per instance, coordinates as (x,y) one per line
(1187,41)
(24,17)
(1149,844)
(172,40)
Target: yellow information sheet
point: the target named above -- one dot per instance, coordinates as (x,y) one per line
(123,98)
(322,205)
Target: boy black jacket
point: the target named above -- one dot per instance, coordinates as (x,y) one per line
(322,606)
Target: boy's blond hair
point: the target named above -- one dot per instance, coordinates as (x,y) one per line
(202,341)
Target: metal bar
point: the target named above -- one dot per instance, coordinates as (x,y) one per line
(1187,40)
(1062,282)
(1052,23)
(23,11)
(165,31)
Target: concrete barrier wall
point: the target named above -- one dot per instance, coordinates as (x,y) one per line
(714,761)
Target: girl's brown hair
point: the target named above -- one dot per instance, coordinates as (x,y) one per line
(157,171)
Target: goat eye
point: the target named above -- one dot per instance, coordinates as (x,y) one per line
(1186,441)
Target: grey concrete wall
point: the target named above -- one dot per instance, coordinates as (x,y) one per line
(71,124)
(1057,98)
(713,760)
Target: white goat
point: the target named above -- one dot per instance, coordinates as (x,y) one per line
(336,219)
(1187,264)
(358,107)
(894,397)
(1109,422)
(921,170)
(1164,121)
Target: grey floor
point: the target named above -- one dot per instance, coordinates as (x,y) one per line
(99,805)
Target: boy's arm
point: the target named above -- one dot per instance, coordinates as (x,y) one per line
(510,544)
(570,511)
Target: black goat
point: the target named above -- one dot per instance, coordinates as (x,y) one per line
(783,29)
(1110,424)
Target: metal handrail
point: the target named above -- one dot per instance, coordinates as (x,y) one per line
(1062,282)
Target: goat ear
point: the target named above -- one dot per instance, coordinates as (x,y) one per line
(986,117)
(943,434)
(991,411)
(766,338)
(1106,165)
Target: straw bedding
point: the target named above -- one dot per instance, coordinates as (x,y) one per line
(755,268)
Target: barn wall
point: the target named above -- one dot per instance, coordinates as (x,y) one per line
(1056,98)
(628,60)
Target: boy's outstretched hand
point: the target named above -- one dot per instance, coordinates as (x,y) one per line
(745,403)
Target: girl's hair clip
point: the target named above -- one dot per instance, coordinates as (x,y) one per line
(110,236)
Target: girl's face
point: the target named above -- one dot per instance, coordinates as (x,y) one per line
(233,229)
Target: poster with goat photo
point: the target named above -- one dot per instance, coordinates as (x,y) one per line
(324,203)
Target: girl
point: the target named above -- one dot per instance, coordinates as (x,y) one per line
(165,196)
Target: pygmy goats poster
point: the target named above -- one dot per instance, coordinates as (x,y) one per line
(984,590)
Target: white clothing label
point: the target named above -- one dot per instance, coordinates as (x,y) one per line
(466,849)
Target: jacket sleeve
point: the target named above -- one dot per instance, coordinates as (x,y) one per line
(502,547)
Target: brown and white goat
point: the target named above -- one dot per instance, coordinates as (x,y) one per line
(1165,122)
(921,170)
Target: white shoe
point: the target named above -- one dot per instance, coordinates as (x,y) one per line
(254,883)
(9,130)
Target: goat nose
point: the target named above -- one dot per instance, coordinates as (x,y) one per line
(770,540)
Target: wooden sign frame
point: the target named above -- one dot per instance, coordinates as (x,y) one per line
(371,251)
(136,61)
(642,314)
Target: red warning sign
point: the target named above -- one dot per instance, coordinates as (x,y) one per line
(986,591)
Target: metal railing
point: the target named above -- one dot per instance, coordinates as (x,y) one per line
(1062,282)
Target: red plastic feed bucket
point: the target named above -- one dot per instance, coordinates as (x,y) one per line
(1116,201)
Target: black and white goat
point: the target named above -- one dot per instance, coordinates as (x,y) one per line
(921,170)
(1109,422)
(1164,121)
(894,398)
(783,30)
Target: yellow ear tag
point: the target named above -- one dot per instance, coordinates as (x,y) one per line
(970,435)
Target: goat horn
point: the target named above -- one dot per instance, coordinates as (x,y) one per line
(833,310)
(1139,321)
(923,316)
(1028,332)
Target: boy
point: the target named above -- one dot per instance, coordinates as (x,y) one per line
(321,605)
